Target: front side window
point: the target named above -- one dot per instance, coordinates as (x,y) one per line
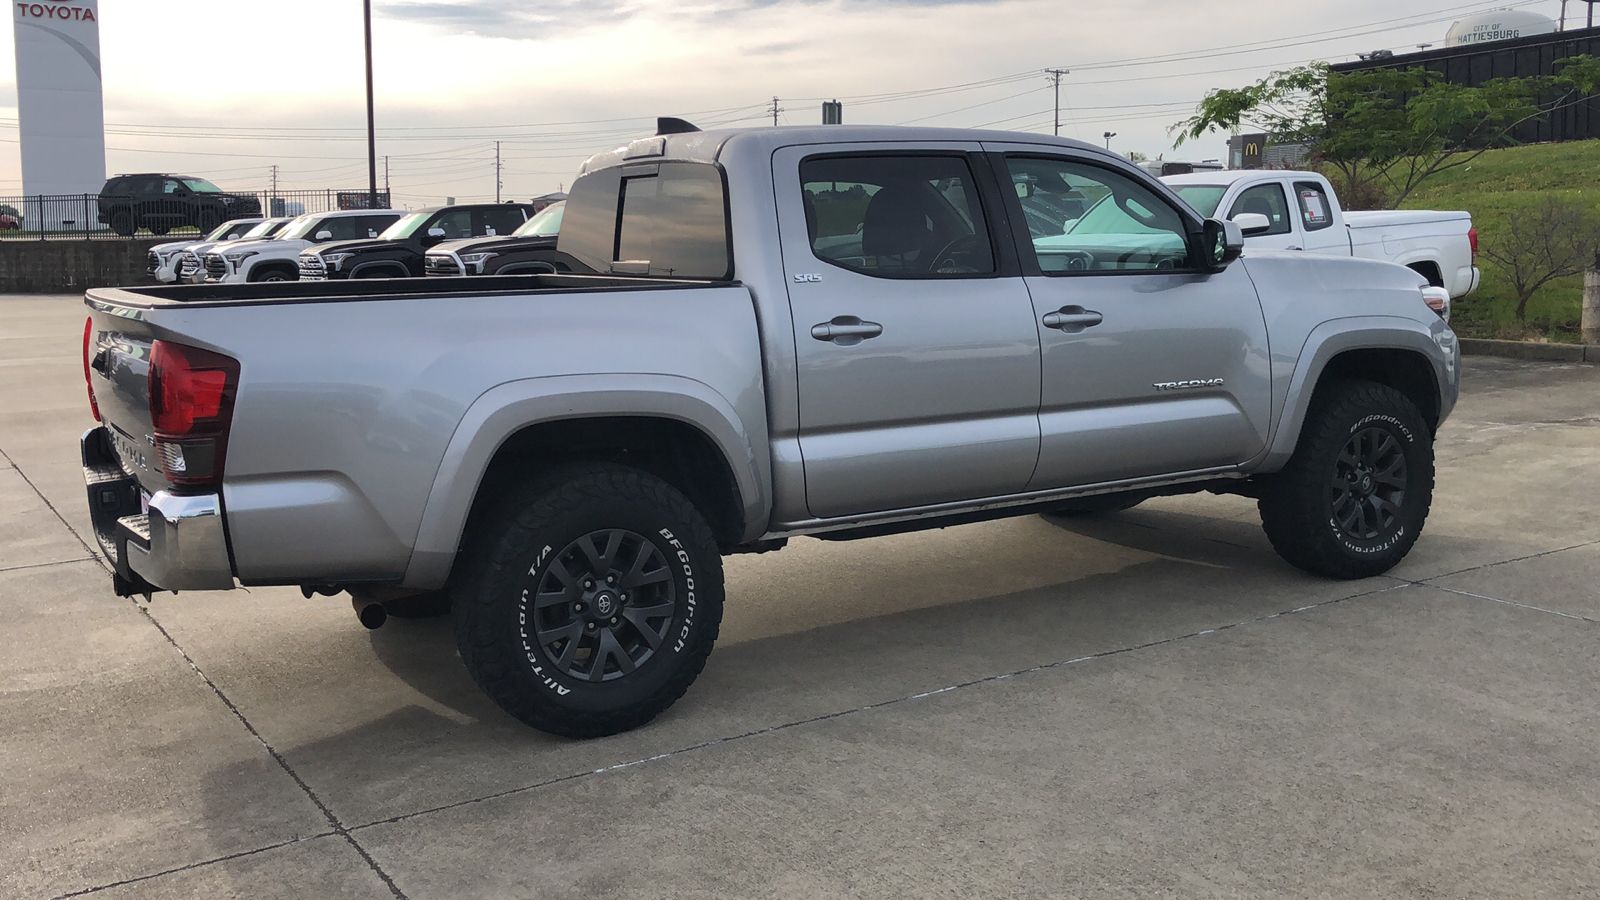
(504,220)
(896,216)
(1314,209)
(1124,225)
(666,219)
(201,186)
(1266,200)
(455,223)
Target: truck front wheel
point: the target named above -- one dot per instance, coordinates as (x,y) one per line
(588,602)
(1353,498)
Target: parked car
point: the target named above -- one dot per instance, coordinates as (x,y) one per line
(162,260)
(530,249)
(9,222)
(191,268)
(1300,211)
(397,252)
(278,259)
(160,203)
(840,331)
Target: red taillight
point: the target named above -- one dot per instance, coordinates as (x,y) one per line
(1472,239)
(191,408)
(88,335)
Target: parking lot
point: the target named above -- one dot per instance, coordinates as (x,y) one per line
(1148,704)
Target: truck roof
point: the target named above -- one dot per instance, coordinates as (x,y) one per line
(706,146)
(1229,176)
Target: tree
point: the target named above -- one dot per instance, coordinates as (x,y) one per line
(1386,131)
(1136,156)
(1555,239)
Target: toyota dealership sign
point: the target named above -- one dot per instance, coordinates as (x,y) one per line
(59,105)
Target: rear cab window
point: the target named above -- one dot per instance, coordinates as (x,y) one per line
(1314,209)
(665,219)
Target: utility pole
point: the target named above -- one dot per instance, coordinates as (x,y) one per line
(386,178)
(497,184)
(274,179)
(775,110)
(1055,79)
(372,132)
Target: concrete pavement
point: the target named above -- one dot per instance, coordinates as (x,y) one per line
(1142,705)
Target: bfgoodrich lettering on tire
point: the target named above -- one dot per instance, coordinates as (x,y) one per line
(588,602)
(1354,496)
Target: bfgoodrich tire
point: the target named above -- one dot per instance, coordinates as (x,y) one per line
(1353,498)
(588,602)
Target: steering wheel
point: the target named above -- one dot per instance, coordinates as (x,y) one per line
(946,259)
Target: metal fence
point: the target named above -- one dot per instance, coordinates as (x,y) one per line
(117,216)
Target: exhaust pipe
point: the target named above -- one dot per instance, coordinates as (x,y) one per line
(370,612)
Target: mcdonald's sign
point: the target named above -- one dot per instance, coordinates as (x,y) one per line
(1244,150)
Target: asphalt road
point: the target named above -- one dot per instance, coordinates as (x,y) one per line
(1145,705)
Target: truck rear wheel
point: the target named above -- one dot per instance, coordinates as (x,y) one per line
(1353,498)
(588,602)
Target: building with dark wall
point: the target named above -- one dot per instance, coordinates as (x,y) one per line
(1473,64)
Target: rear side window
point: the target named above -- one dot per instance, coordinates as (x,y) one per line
(665,219)
(1314,209)
(896,216)
(1266,200)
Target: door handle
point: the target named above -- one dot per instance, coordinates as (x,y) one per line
(1072,319)
(1293,248)
(846,331)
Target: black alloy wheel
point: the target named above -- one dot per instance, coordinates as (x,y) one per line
(1352,500)
(587,600)
(1368,489)
(602,607)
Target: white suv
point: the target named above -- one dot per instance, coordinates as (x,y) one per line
(163,258)
(278,259)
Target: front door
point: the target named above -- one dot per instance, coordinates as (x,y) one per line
(1151,367)
(917,355)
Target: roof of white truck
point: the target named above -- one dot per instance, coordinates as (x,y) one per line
(1229,176)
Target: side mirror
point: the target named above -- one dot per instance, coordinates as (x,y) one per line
(1252,223)
(324,236)
(436,232)
(1221,242)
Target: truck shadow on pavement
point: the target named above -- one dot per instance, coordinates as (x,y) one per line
(442,743)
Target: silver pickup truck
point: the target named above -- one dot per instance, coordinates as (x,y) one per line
(838,332)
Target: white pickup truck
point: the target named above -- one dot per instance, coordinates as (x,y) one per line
(1301,212)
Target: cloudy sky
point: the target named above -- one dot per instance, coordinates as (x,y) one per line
(226,89)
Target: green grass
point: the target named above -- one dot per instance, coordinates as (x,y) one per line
(1492,187)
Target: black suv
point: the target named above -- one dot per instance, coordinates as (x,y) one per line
(397,253)
(161,203)
(530,249)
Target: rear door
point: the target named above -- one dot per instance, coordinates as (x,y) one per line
(918,358)
(1150,367)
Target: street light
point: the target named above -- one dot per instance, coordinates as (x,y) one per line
(1108,136)
(372,138)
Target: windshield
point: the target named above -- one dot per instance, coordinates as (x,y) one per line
(406,227)
(201,186)
(266,229)
(300,228)
(221,231)
(1203,197)
(546,223)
